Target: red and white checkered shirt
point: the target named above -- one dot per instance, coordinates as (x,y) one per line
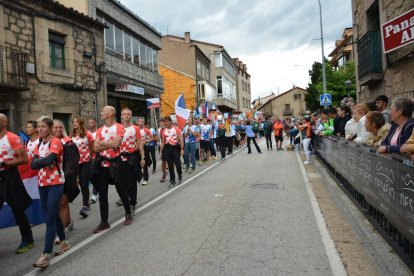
(83,145)
(94,138)
(30,147)
(51,176)
(129,142)
(145,135)
(8,145)
(108,134)
(171,135)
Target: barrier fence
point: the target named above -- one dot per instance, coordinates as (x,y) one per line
(382,184)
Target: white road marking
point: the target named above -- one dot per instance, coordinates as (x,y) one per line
(85,242)
(334,259)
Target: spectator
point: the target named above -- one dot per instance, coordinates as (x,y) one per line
(328,123)
(371,106)
(408,147)
(359,112)
(375,124)
(381,102)
(401,128)
(351,127)
(344,115)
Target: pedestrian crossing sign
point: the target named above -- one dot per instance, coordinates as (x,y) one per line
(325,99)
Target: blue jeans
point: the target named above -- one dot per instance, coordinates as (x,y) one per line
(190,152)
(50,197)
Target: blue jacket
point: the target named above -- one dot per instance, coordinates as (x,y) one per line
(405,133)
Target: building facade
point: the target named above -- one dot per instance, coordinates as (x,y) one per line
(186,70)
(131,56)
(52,59)
(343,49)
(378,72)
(289,104)
(244,95)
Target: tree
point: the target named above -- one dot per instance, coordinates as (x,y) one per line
(335,83)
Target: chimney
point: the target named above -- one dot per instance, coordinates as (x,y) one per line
(187,38)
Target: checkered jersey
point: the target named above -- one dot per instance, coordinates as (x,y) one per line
(8,145)
(145,134)
(170,135)
(83,145)
(108,134)
(49,176)
(30,147)
(129,142)
(94,138)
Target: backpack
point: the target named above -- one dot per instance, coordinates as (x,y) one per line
(221,132)
(70,160)
(255,127)
(269,127)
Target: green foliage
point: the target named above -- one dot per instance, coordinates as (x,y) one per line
(335,83)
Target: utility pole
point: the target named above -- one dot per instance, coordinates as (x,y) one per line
(323,54)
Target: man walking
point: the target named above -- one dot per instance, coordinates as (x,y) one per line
(268,129)
(146,138)
(278,132)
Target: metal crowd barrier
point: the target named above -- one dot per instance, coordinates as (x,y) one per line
(383,185)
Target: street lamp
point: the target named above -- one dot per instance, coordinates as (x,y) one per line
(348,87)
(323,54)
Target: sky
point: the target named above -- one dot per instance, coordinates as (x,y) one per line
(278,40)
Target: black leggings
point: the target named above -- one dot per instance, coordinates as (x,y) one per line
(249,150)
(84,177)
(221,141)
(172,155)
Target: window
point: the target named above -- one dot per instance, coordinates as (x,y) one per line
(155,60)
(149,57)
(135,49)
(217,59)
(109,37)
(198,68)
(287,107)
(297,96)
(201,91)
(118,40)
(208,74)
(219,86)
(57,51)
(243,85)
(127,46)
(143,52)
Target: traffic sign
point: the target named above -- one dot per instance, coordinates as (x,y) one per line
(325,99)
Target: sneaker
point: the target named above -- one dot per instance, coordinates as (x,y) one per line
(63,247)
(128,219)
(24,247)
(281,148)
(222,159)
(172,184)
(163,178)
(119,203)
(84,211)
(132,209)
(94,198)
(57,241)
(191,170)
(153,171)
(200,163)
(43,261)
(307,162)
(145,182)
(102,227)
(207,163)
(70,227)
(186,169)
(180,179)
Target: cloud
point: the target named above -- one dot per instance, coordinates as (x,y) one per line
(269,35)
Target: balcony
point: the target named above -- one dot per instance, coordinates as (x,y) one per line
(370,59)
(225,104)
(13,69)
(288,112)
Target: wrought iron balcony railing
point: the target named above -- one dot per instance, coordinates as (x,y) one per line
(13,75)
(369,58)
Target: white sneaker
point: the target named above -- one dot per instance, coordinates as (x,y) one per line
(144,182)
(307,162)
(94,198)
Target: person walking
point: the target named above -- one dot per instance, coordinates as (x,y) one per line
(206,133)
(268,130)
(172,147)
(151,145)
(190,134)
(146,137)
(92,128)
(163,161)
(278,132)
(109,168)
(48,160)
(306,132)
(84,141)
(12,190)
(221,136)
(251,136)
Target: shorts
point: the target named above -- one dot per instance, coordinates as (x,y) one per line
(205,145)
(279,138)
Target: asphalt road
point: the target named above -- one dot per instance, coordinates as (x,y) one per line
(248,215)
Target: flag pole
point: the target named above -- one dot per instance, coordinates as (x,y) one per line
(155,118)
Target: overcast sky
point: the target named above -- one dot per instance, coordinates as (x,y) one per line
(270,36)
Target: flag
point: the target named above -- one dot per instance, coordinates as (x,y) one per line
(153,103)
(35,212)
(181,112)
(228,123)
(206,108)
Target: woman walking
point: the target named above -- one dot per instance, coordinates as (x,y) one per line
(47,159)
(251,137)
(84,141)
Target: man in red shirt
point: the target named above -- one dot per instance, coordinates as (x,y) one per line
(109,167)
(278,132)
(12,190)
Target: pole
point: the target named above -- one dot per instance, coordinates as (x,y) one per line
(323,54)
(155,118)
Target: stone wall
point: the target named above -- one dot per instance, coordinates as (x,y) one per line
(175,83)
(70,91)
(398,65)
(276,106)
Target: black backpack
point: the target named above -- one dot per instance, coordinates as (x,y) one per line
(70,160)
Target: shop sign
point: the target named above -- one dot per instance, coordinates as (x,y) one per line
(398,32)
(124,87)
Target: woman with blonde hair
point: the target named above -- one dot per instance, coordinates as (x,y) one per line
(358,114)
(84,141)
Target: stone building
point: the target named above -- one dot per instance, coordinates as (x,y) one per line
(286,105)
(131,55)
(244,93)
(380,73)
(186,70)
(51,62)
(257,103)
(343,49)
